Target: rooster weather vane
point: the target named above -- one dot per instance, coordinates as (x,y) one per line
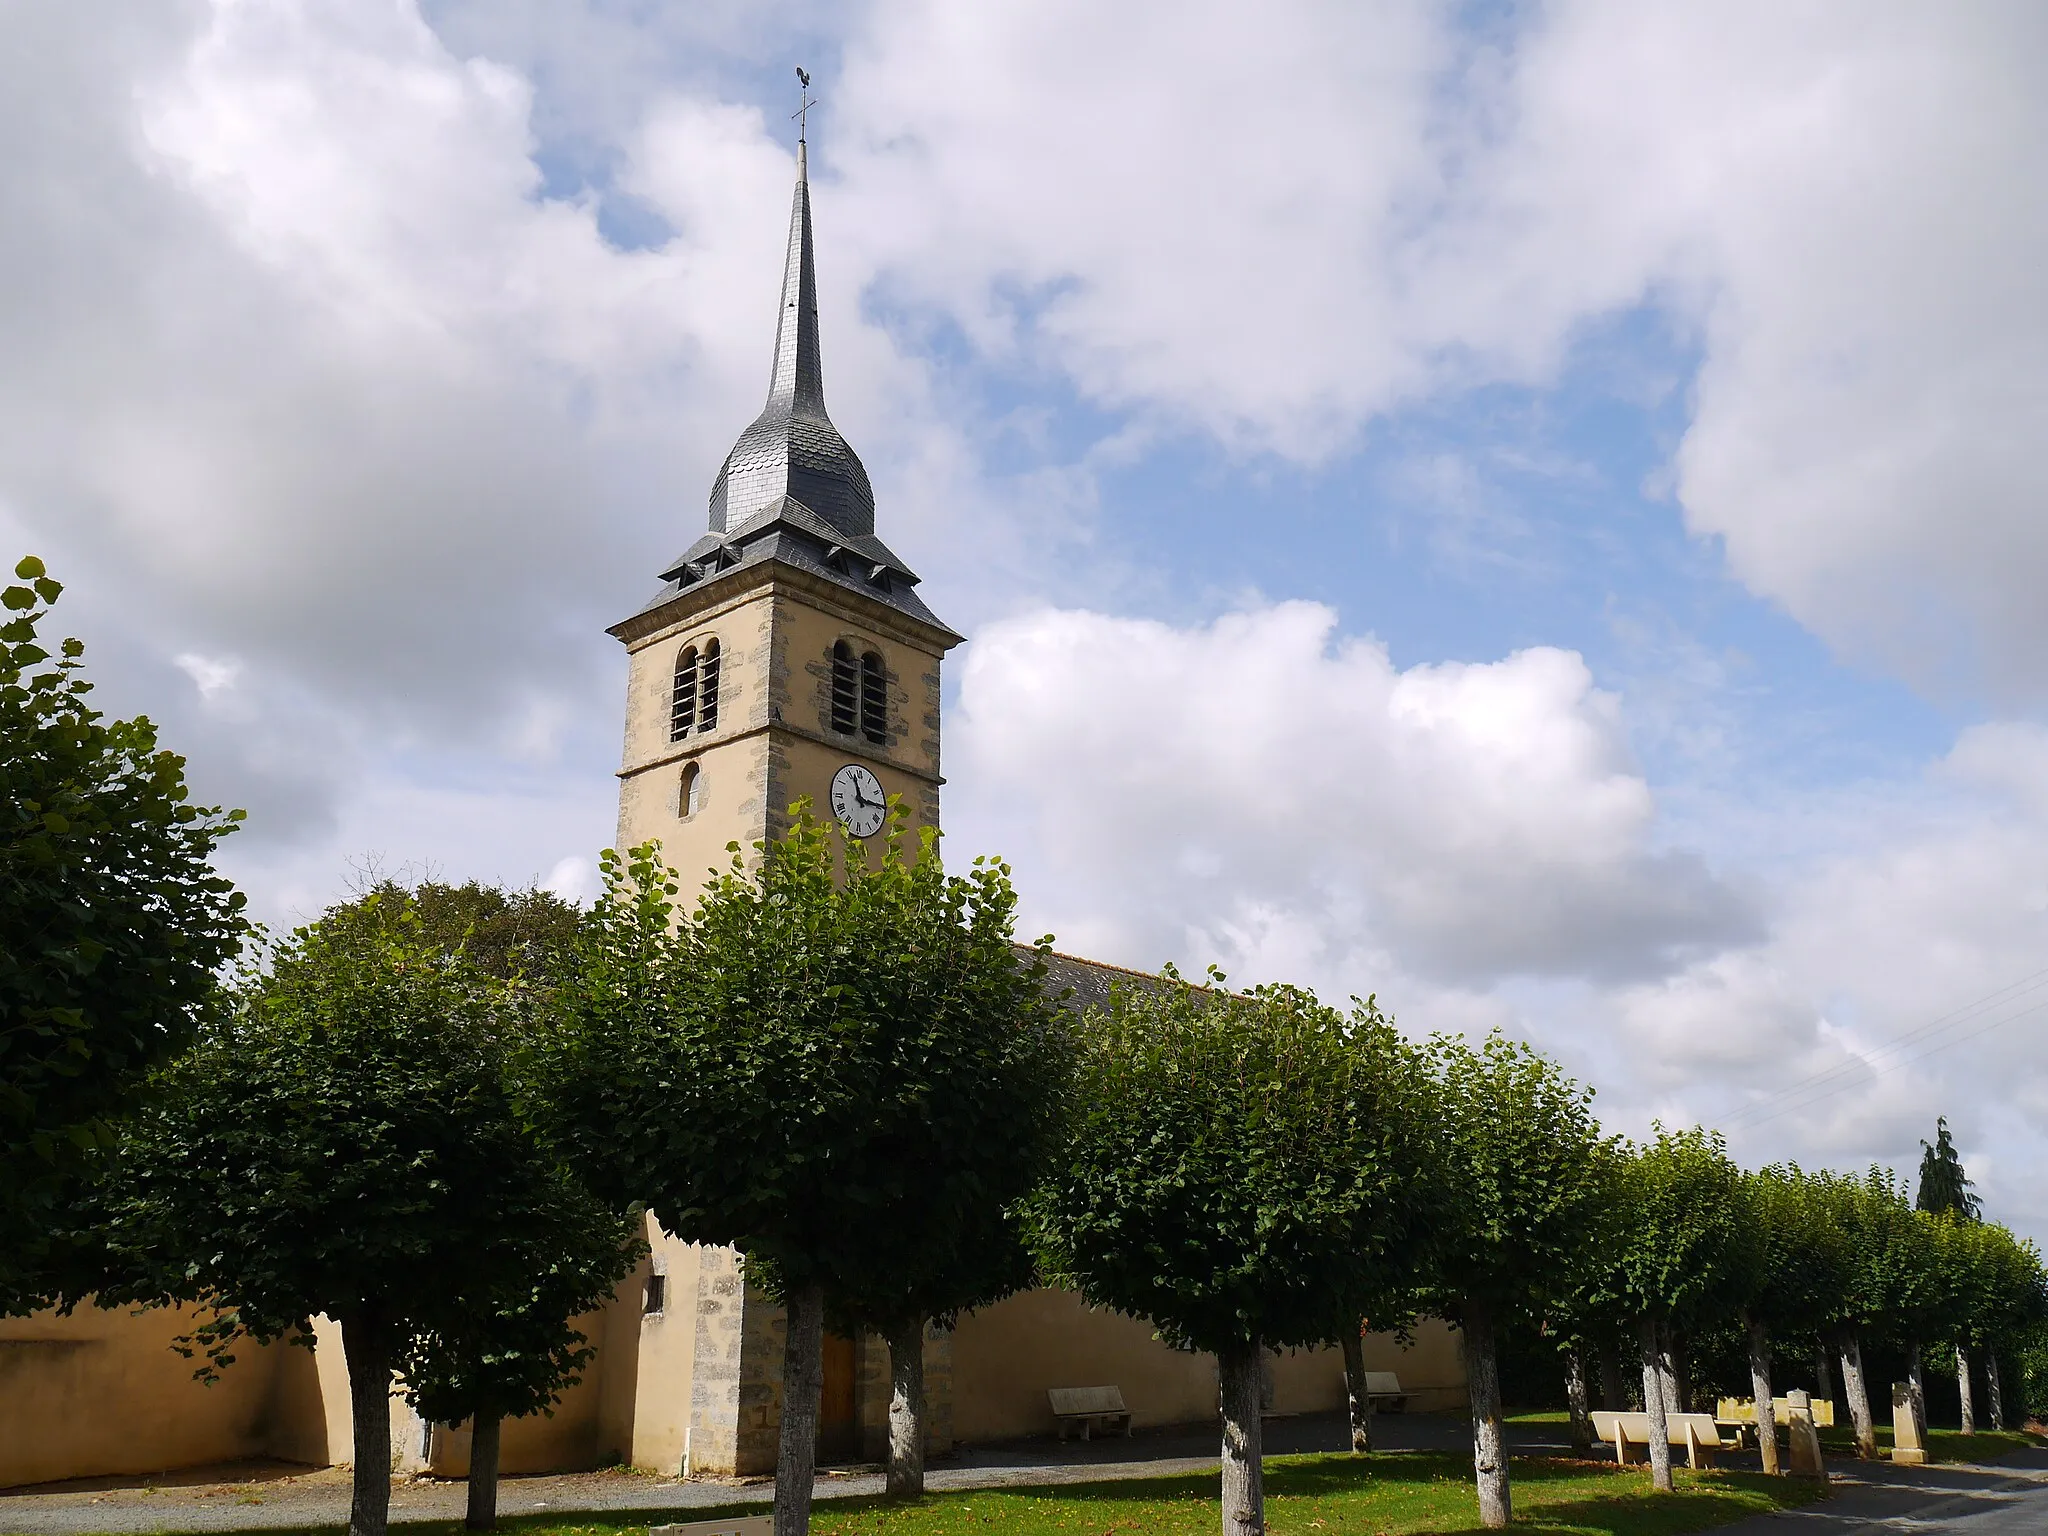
(804,101)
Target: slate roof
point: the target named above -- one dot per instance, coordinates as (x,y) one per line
(793,489)
(1083,986)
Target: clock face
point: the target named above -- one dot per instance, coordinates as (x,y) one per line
(858,801)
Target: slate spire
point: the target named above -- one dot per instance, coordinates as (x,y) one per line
(792,449)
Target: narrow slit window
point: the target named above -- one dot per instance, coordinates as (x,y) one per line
(874,699)
(657,1295)
(845,690)
(682,701)
(707,689)
(690,794)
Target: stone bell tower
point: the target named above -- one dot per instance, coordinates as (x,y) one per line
(787,651)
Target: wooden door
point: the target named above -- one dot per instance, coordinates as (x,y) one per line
(838,1428)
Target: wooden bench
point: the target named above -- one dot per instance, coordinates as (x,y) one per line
(1090,1408)
(1629,1433)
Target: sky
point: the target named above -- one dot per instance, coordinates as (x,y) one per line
(1531,511)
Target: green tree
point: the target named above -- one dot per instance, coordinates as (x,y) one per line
(1247,1170)
(1802,1266)
(1522,1157)
(953,1157)
(513,1349)
(819,1067)
(347,1142)
(1681,1251)
(113,926)
(1943,1185)
(1891,1262)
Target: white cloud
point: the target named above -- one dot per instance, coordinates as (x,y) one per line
(1259,792)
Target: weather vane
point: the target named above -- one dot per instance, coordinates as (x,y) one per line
(804,101)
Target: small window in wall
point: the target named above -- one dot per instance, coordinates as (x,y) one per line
(690,796)
(682,699)
(707,688)
(874,699)
(845,690)
(657,1295)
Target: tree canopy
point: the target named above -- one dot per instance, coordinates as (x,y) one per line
(113,924)
(1943,1185)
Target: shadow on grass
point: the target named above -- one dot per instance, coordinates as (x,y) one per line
(1400,1491)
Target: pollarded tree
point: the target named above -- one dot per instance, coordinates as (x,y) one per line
(951,1159)
(346,1142)
(826,1061)
(1803,1265)
(1891,1259)
(1681,1252)
(1523,1179)
(112,926)
(1246,1170)
(511,1348)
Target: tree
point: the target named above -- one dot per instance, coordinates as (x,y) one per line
(345,1142)
(983,1045)
(1679,1254)
(1943,1185)
(1247,1170)
(112,927)
(826,1061)
(1891,1266)
(513,1349)
(1802,1266)
(1523,1178)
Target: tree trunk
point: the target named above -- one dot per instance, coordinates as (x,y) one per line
(1823,1374)
(1244,1484)
(803,1378)
(1360,1400)
(1482,1383)
(1997,1389)
(1575,1401)
(906,1410)
(1613,1387)
(1916,1378)
(1654,1371)
(1760,1391)
(1964,1393)
(366,1345)
(483,1472)
(1858,1394)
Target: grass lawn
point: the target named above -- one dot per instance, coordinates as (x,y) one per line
(1390,1494)
(1942,1444)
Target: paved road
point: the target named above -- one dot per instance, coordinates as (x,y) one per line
(1968,1501)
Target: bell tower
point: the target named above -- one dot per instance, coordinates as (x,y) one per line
(788,643)
(786,654)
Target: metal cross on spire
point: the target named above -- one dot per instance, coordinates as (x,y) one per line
(804,100)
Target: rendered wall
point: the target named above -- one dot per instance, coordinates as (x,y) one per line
(1006,1357)
(103,1392)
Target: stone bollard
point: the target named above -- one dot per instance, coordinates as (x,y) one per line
(1907,1451)
(1803,1435)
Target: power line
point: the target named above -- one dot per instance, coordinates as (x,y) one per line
(1832,1080)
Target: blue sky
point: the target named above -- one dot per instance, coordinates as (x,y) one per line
(1588,451)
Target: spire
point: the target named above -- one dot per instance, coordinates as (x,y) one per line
(796,378)
(792,450)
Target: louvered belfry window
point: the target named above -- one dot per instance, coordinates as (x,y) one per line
(874,699)
(682,701)
(707,688)
(845,690)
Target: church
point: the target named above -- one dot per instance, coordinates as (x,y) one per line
(786,655)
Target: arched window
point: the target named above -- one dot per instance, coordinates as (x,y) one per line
(707,688)
(845,690)
(874,699)
(690,795)
(682,699)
